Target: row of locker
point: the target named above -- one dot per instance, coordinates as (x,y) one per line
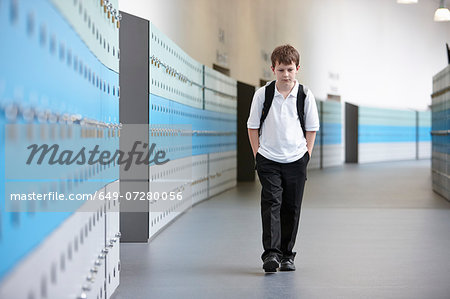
(58,85)
(97,22)
(182,91)
(48,73)
(192,119)
(390,134)
(176,76)
(328,148)
(197,96)
(79,259)
(382,135)
(193,179)
(440,107)
(208,131)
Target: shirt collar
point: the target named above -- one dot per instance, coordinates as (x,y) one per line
(293,92)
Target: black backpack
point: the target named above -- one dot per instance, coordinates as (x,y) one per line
(270,92)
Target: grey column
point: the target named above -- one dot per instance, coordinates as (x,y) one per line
(245,160)
(351,133)
(134,116)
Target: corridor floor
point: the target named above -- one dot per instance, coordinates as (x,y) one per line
(366,231)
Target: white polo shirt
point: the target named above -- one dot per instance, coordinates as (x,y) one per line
(282,137)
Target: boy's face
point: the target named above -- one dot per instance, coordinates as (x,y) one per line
(285,74)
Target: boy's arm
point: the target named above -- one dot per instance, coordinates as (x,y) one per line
(253,136)
(310,139)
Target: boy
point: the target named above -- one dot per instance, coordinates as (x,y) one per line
(282,152)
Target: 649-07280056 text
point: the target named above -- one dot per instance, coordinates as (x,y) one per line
(98,195)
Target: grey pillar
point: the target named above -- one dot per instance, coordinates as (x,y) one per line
(351,133)
(134,116)
(245,160)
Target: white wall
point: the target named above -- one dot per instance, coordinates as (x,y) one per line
(384,53)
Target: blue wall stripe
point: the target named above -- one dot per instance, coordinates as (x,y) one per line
(167,112)
(379,133)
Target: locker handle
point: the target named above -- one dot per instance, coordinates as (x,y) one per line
(90,278)
(94,270)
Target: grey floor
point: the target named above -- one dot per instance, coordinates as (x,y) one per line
(367,231)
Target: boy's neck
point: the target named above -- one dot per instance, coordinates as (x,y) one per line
(285,89)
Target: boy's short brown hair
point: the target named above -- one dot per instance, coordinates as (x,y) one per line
(285,54)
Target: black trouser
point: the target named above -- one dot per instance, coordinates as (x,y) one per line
(281,200)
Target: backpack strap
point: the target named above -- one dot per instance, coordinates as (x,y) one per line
(301,96)
(270,92)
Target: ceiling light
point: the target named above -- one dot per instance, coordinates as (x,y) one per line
(442,14)
(407,1)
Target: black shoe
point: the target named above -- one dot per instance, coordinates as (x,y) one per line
(287,264)
(271,264)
